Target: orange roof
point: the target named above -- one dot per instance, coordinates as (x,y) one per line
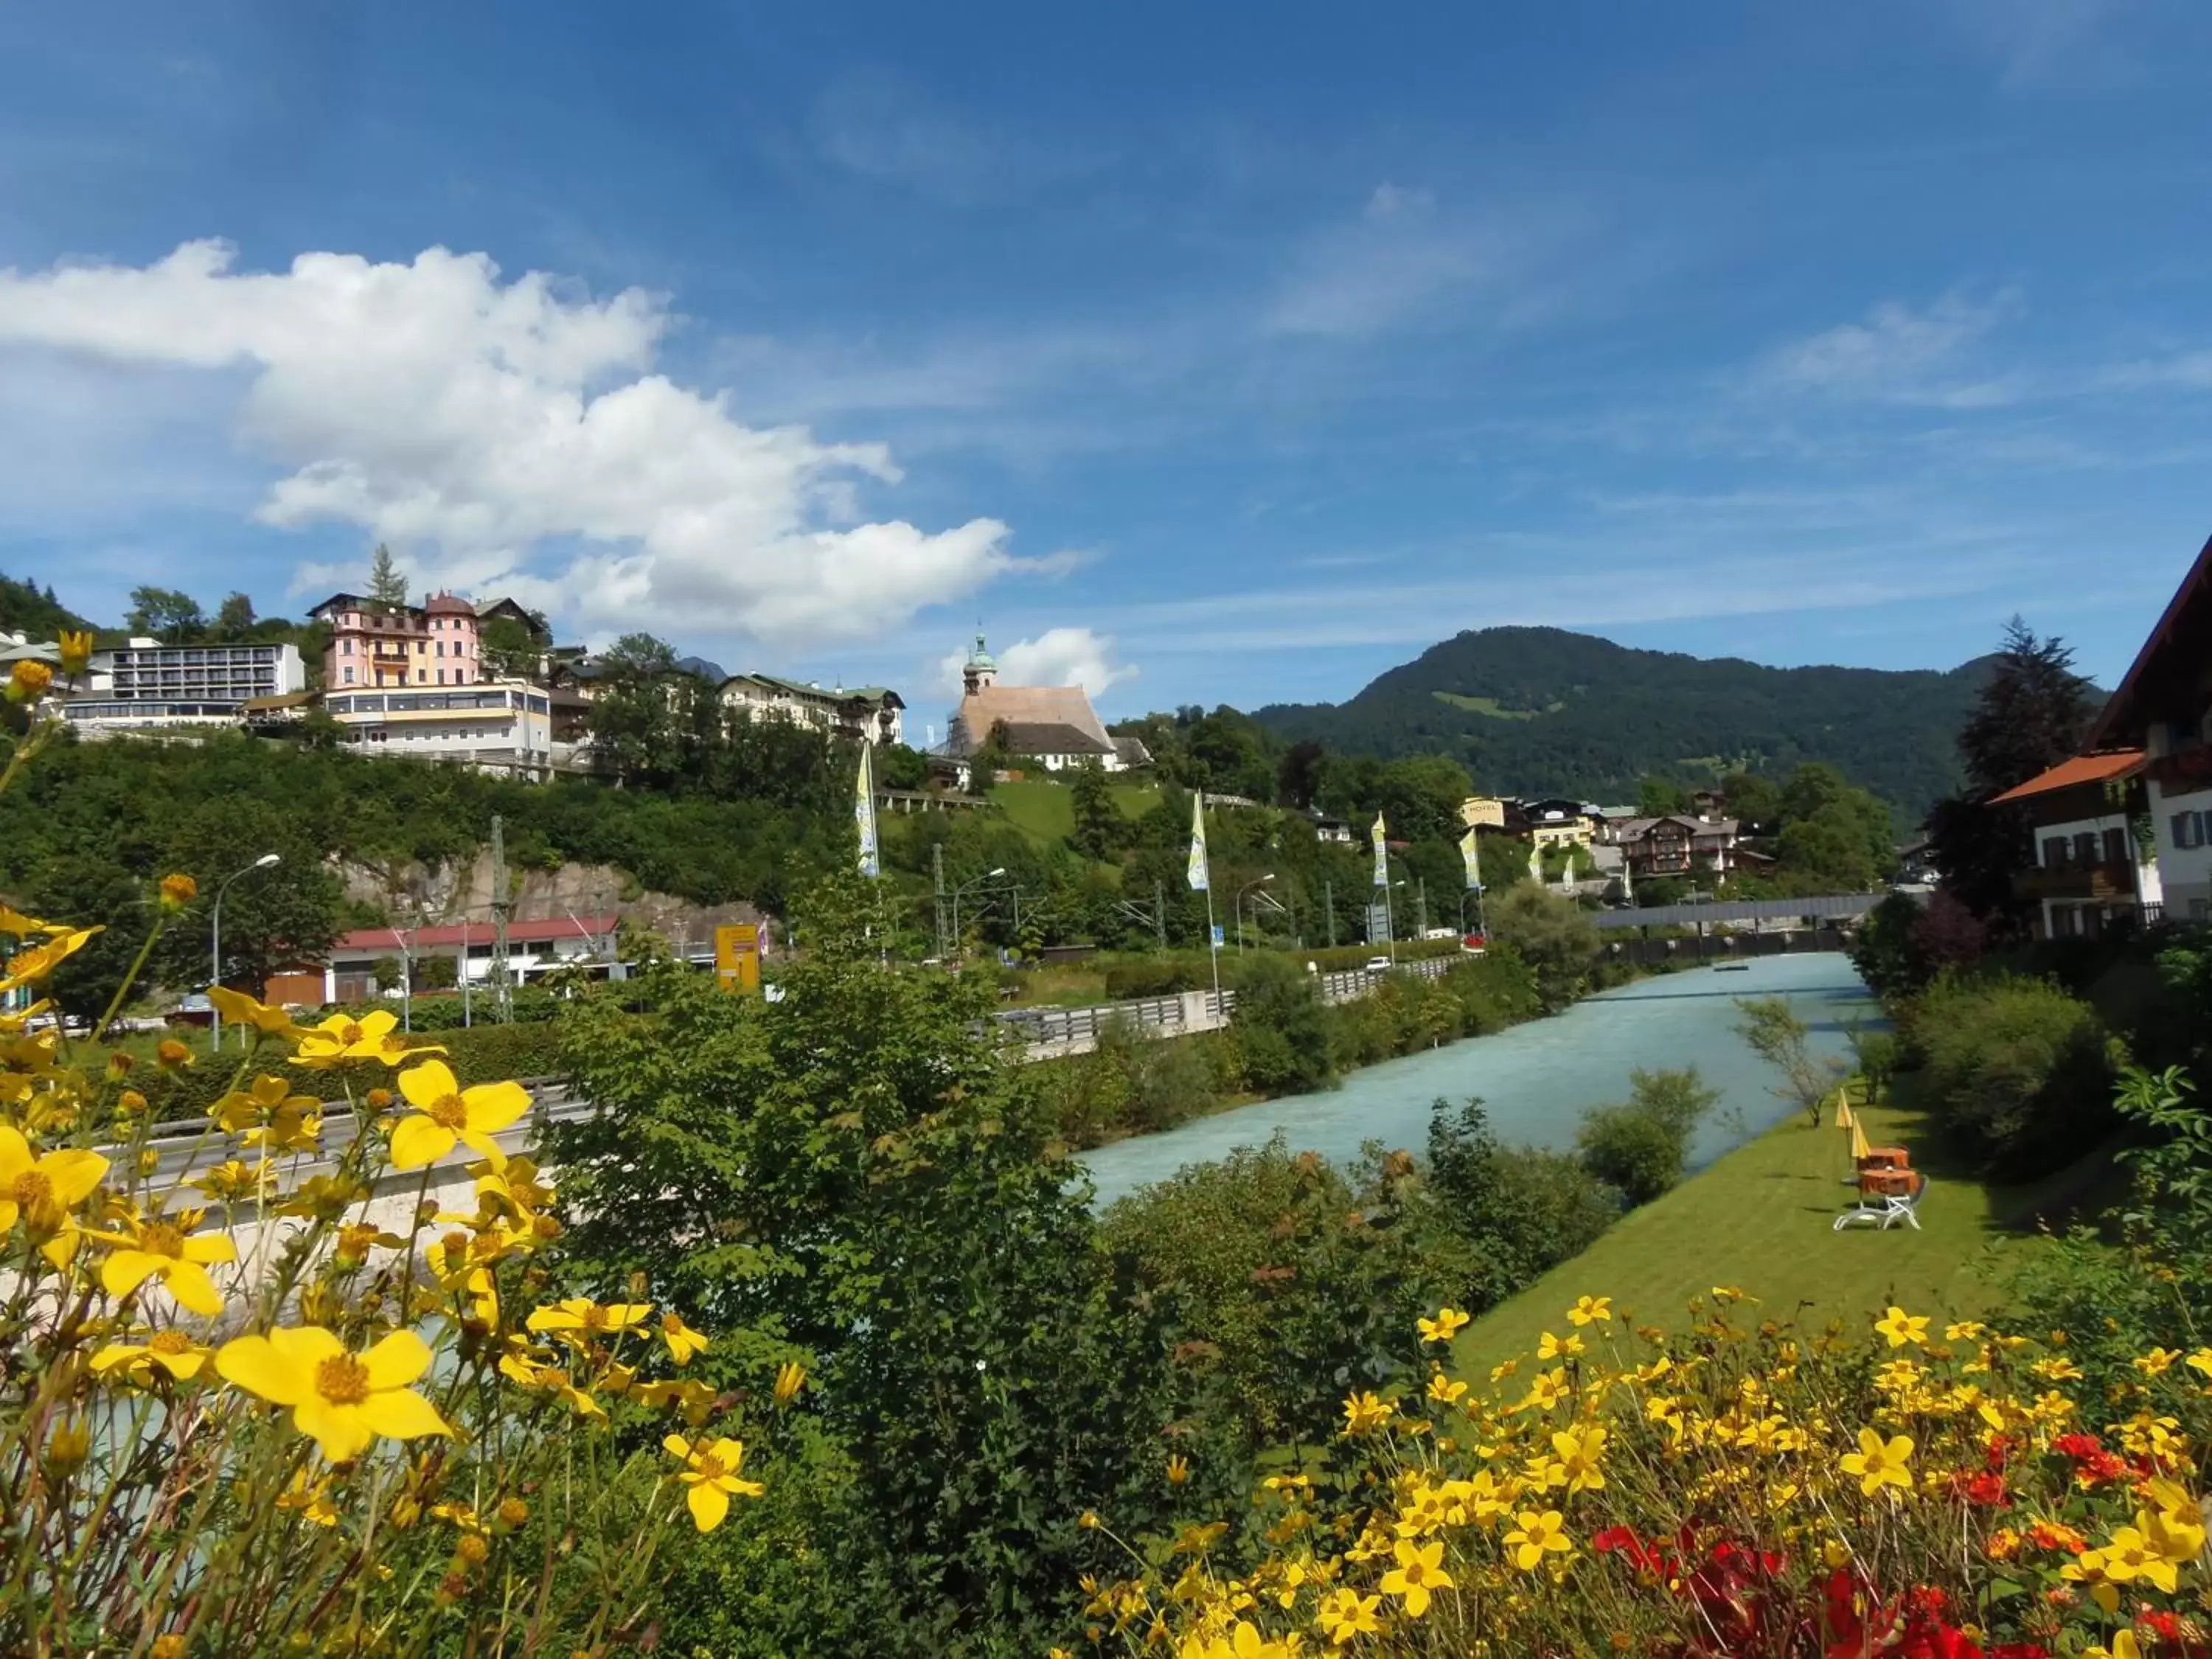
(2082,769)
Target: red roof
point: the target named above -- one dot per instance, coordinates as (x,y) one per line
(475,933)
(2082,769)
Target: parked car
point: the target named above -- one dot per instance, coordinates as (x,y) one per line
(1377,965)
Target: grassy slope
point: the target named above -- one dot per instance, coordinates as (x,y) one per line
(1046,811)
(1761,1219)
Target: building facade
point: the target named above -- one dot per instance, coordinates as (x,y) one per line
(497,723)
(533,948)
(872,714)
(1675,845)
(147,686)
(2164,707)
(436,643)
(2091,869)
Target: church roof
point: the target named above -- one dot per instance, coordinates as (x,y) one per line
(1026,705)
(1052,738)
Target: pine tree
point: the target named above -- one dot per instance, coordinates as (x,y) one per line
(387,583)
(1096,819)
(2034,713)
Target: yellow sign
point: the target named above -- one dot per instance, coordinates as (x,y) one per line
(736,956)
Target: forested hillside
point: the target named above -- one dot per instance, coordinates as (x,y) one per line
(1541,710)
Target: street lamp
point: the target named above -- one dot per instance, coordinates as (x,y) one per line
(988,875)
(267,861)
(1240,891)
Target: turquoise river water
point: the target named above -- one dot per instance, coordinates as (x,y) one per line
(1537,1080)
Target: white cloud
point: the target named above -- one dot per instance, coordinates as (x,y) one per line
(1901,354)
(1059,656)
(471,423)
(1402,259)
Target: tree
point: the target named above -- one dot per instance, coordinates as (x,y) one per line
(1642,1147)
(272,917)
(1658,797)
(860,1176)
(996,756)
(1298,776)
(1552,934)
(1097,820)
(436,973)
(387,583)
(1773,1031)
(1751,798)
(233,618)
(509,650)
(166,613)
(637,719)
(2032,712)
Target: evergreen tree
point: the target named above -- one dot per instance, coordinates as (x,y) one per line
(1097,819)
(234,619)
(387,583)
(171,615)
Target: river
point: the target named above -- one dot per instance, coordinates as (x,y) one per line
(1538,1080)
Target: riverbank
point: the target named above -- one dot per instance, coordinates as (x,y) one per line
(1761,1219)
(1536,1078)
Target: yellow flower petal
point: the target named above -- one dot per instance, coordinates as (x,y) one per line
(397,1361)
(341,1432)
(494,1106)
(401,1414)
(189,1283)
(418,1142)
(427,1084)
(710,1504)
(259,1366)
(125,1271)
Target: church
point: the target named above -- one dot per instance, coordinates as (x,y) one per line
(1054,724)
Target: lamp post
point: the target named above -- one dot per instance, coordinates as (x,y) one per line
(988,875)
(1240,891)
(215,966)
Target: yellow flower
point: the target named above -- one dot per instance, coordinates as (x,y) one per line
(28,680)
(170,1054)
(76,650)
(2201,1361)
(1418,1574)
(311,1498)
(1878,1463)
(178,891)
(44,1188)
(581,1314)
(239,1009)
(2157,1362)
(170,1251)
(1901,1327)
(341,1038)
(1364,1413)
(2124,1646)
(684,1344)
(172,1351)
(341,1401)
(36,964)
(711,1472)
(446,1113)
(1965,1330)
(1579,1452)
(1445,1325)
(1589,1308)
(1345,1614)
(790,1378)
(1557,1347)
(1444,1391)
(1536,1537)
(2175,1526)
(271,1115)
(1178,1469)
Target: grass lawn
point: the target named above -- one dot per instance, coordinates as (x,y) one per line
(1045,812)
(1761,1219)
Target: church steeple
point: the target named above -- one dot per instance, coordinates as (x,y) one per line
(981,672)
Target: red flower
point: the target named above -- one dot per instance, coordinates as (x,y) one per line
(1986,1490)
(2020,1651)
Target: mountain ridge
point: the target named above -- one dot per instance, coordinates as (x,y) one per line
(1551,711)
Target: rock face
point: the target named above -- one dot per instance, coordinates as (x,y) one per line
(464,892)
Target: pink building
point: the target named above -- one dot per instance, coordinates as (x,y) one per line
(433,644)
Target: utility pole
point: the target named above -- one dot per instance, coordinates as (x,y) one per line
(936,883)
(501,902)
(1425,907)
(1328,903)
(1160,914)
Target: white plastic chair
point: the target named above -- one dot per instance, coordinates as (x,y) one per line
(1893,1208)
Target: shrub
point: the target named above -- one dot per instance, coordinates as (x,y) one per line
(2018,1070)
(1283,1029)
(1521,1209)
(1552,934)
(1641,1148)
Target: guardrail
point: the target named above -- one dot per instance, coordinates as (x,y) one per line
(1193,1011)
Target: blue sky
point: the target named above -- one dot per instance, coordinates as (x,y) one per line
(1205,354)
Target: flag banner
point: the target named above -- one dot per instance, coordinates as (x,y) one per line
(1198,876)
(864,813)
(1471,855)
(1536,866)
(1382,853)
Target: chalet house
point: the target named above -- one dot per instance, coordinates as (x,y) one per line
(435,643)
(1676,845)
(2164,707)
(2090,871)
(1556,822)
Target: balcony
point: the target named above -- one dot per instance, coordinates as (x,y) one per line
(2103,882)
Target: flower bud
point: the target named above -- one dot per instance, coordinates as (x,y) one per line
(129,1104)
(513,1512)
(28,680)
(177,891)
(471,1551)
(120,1064)
(171,1054)
(77,656)
(71,1445)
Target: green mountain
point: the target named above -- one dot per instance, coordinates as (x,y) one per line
(1535,711)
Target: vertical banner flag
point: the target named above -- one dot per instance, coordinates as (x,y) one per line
(864,813)
(1382,853)
(1537,865)
(1198,876)
(1472,858)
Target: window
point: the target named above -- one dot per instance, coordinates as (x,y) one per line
(2084,849)
(420,676)
(2188,829)
(349,677)
(2116,846)
(441,677)
(2054,852)
(442,648)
